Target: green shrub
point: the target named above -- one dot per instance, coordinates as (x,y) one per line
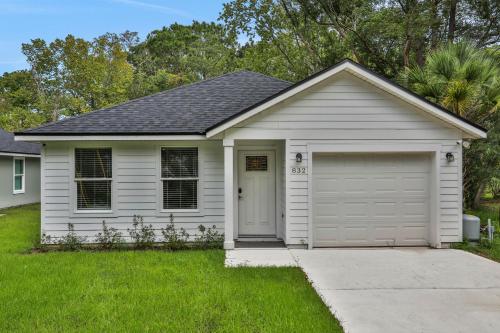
(109,238)
(173,239)
(71,241)
(494,187)
(143,236)
(209,238)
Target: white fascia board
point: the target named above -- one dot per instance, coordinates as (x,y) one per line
(19,155)
(45,138)
(367,76)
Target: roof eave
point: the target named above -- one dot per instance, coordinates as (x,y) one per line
(45,137)
(21,154)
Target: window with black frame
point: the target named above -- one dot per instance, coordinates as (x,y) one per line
(93,176)
(179,176)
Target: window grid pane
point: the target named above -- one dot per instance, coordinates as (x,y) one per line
(180,194)
(93,163)
(256,163)
(18,183)
(179,163)
(19,167)
(94,194)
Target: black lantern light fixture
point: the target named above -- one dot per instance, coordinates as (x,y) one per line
(298,158)
(450,157)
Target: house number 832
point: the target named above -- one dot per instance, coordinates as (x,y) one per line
(299,171)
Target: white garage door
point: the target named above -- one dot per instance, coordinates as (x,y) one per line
(371,199)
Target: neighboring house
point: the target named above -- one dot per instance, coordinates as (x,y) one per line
(342,158)
(19,171)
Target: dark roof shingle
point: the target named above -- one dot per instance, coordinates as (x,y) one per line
(190,109)
(8,145)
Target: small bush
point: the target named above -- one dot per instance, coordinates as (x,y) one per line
(109,238)
(71,241)
(209,238)
(494,186)
(46,240)
(173,239)
(142,235)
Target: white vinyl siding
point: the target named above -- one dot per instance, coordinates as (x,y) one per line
(345,110)
(31,193)
(136,189)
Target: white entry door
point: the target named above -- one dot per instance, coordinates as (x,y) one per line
(256,193)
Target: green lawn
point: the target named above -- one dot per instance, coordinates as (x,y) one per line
(148,291)
(487,211)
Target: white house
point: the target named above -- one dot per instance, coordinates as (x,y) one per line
(342,158)
(19,171)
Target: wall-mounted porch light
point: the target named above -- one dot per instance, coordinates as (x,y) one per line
(298,158)
(450,157)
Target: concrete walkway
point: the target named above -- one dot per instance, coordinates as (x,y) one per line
(406,290)
(396,290)
(260,258)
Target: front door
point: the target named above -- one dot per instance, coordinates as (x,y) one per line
(256,193)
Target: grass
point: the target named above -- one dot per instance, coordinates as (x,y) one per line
(145,291)
(489,210)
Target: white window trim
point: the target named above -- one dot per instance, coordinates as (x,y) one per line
(76,180)
(23,183)
(162,179)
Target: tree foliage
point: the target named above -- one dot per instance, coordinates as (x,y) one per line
(74,76)
(383,35)
(466,80)
(180,54)
(18,101)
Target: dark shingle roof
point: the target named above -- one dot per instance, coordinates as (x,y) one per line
(8,145)
(189,109)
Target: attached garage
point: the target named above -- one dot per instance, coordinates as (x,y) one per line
(371,199)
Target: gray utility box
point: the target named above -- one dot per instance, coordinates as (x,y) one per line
(472,227)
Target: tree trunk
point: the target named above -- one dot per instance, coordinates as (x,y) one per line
(419,53)
(452,22)
(434,23)
(406,52)
(477,197)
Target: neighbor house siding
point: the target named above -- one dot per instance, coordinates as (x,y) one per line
(347,110)
(136,188)
(32,182)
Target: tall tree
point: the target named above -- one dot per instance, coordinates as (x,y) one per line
(383,35)
(18,101)
(466,80)
(182,53)
(74,76)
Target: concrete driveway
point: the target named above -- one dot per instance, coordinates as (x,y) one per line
(406,290)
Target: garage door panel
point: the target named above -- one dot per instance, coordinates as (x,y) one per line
(327,185)
(385,209)
(326,210)
(371,200)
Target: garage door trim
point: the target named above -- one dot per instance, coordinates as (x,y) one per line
(434,238)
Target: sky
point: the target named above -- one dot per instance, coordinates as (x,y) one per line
(23,20)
